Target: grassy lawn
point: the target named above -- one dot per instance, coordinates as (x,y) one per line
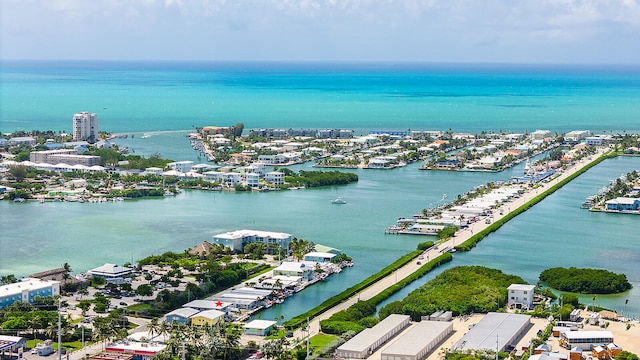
(70,346)
(319,341)
(138,307)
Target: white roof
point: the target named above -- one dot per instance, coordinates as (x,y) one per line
(184,312)
(321,254)
(622,200)
(588,334)
(259,324)
(239,234)
(209,314)
(206,304)
(411,343)
(291,266)
(110,270)
(521,287)
(24,284)
(368,337)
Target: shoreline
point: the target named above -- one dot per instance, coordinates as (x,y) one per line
(433,252)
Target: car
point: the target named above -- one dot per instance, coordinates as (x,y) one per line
(123,303)
(418,263)
(34,351)
(420,257)
(290,334)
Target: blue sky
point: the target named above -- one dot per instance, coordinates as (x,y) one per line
(494,31)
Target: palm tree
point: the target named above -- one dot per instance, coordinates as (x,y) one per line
(153,327)
(34,325)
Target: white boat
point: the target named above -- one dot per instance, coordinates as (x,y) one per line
(338,200)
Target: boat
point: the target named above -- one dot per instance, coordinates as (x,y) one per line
(338,200)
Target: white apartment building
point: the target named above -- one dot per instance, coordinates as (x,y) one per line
(237,239)
(85,127)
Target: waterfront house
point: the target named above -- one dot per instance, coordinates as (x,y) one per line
(520,296)
(27,290)
(207,318)
(623,204)
(182,166)
(274,177)
(259,327)
(302,269)
(252,179)
(181,315)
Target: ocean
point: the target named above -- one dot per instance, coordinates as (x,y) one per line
(166,101)
(151,96)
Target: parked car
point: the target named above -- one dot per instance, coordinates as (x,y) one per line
(123,303)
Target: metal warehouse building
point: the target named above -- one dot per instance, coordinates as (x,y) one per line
(368,340)
(495,330)
(419,341)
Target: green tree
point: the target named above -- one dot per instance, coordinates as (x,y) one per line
(144,290)
(18,172)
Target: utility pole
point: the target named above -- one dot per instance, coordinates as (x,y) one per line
(59,333)
(308,336)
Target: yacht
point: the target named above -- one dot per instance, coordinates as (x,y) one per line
(338,200)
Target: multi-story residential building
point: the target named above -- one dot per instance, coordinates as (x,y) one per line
(520,296)
(85,127)
(63,156)
(237,239)
(27,290)
(274,177)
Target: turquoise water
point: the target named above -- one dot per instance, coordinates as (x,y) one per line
(165,101)
(147,96)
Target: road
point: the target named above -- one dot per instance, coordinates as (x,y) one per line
(462,236)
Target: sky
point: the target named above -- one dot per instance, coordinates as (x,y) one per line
(461,31)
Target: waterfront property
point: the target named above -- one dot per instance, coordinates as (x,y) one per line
(520,296)
(623,204)
(495,330)
(85,126)
(237,239)
(367,341)
(111,272)
(419,341)
(319,256)
(27,290)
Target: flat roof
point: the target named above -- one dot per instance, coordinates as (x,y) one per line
(588,334)
(259,324)
(419,336)
(368,337)
(25,284)
(239,234)
(495,329)
(523,287)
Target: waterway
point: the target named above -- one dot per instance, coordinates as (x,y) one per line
(554,233)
